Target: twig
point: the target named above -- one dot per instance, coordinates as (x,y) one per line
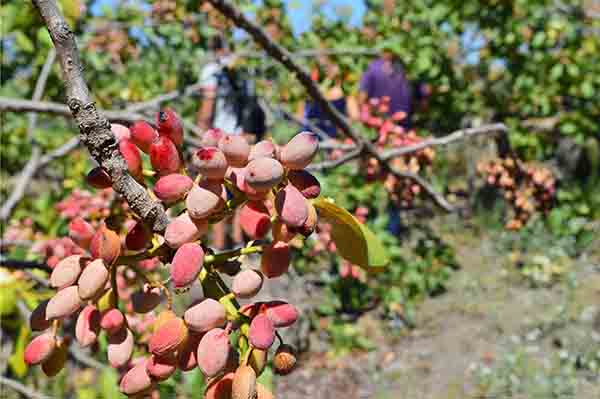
(41,281)
(20,188)
(170,96)
(397,152)
(454,136)
(334,163)
(116,116)
(36,162)
(18,191)
(314,128)
(309,53)
(21,105)
(40,85)
(433,194)
(16,264)
(286,59)
(94,128)
(59,152)
(84,359)
(22,389)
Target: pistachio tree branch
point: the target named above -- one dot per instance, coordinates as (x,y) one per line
(334,163)
(20,388)
(94,128)
(286,58)
(136,113)
(462,134)
(30,168)
(35,164)
(444,140)
(21,105)
(17,264)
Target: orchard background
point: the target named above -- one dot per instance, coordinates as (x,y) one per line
(491,285)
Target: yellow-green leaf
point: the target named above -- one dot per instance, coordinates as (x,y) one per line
(16,360)
(353,240)
(9,287)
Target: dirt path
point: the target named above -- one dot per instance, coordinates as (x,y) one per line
(491,335)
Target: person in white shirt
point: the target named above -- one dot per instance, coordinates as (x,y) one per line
(218,109)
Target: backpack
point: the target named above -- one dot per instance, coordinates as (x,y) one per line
(251,116)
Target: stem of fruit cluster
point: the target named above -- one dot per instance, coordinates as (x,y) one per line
(154,284)
(279,337)
(130,260)
(165,289)
(247,355)
(222,257)
(55,326)
(140,273)
(214,287)
(113,283)
(230,208)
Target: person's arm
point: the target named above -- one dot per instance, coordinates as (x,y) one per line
(424,95)
(365,86)
(205,111)
(208,80)
(352,107)
(363,97)
(300,110)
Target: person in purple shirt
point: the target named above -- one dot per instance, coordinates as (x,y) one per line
(386,77)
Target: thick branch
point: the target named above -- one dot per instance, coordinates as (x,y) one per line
(286,59)
(94,128)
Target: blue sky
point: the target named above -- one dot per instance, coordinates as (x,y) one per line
(299,11)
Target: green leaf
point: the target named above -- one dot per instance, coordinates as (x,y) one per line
(353,240)
(16,361)
(193,382)
(557,71)
(24,42)
(44,37)
(587,89)
(568,128)
(109,384)
(538,39)
(9,288)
